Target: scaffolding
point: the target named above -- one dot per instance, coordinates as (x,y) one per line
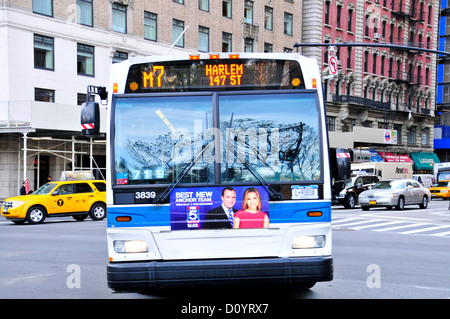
(69,155)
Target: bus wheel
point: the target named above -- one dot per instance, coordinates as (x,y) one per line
(36,215)
(98,211)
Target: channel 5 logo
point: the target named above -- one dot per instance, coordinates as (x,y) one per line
(192,217)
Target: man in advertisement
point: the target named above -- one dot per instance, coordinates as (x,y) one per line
(223,215)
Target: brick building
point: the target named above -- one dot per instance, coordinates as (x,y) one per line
(380,89)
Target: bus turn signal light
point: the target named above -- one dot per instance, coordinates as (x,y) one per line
(123,218)
(314,213)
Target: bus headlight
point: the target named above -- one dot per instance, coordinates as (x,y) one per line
(130,246)
(302,242)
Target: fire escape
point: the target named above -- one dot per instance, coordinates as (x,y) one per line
(408,76)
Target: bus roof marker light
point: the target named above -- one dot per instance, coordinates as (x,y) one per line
(295,82)
(194,57)
(214,56)
(314,83)
(234,56)
(115,88)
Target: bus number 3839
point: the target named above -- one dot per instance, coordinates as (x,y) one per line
(144,195)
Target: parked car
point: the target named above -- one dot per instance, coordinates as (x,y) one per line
(395,193)
(65,198)
(441,190)
(354,186)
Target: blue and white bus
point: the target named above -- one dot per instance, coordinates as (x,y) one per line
(218,171)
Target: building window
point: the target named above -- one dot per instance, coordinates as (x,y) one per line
(203,39)
(226,8)
(177,30)
(349,57)
(374,64)
(425,140)
(287,23)
(350,20)
(203,5)
(119,57)
(85,59)
(268,47)
(412,135)
(85,12)
(44,7)
(268,18)
(248,45)
(327,12)
(119,18)
(43,52)
(226,42)
(331,124)
(178,1)
(248,12)
(366,61)
(44,95)
(150,26)
(366,31)
(446,93)
(338,17)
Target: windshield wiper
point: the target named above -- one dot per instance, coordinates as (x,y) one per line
(273,195)
(164,196)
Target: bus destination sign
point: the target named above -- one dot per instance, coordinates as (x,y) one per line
(200,75)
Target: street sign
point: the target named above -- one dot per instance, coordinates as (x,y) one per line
(333,65)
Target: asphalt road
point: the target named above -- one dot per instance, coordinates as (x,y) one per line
(377,254)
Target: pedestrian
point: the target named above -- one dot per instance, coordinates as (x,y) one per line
(49,179)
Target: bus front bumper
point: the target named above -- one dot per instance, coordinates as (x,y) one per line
(141,275)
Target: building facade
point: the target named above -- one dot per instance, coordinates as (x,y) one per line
(380,98)
(53,49)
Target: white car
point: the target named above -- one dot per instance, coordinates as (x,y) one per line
(395,193)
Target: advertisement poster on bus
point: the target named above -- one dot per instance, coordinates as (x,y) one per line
(219,208)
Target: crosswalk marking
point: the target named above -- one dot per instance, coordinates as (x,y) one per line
(355,223)
(376,225)
(399,226)
(446,233)
(422,230)
(402,226)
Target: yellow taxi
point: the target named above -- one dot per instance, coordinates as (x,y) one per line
(79,199)
(441,190)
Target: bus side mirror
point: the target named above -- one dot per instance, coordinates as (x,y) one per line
(90,119)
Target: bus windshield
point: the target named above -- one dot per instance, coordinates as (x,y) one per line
(227,136)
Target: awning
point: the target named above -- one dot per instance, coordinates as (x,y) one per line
(375,157)
(389,157)
(366,156)
(424,160)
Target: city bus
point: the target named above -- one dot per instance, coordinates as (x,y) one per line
(217,171)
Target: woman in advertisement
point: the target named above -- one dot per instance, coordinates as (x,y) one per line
(251,216)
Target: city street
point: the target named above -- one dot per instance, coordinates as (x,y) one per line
(377,254)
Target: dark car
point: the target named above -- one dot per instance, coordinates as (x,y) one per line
(354,186)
